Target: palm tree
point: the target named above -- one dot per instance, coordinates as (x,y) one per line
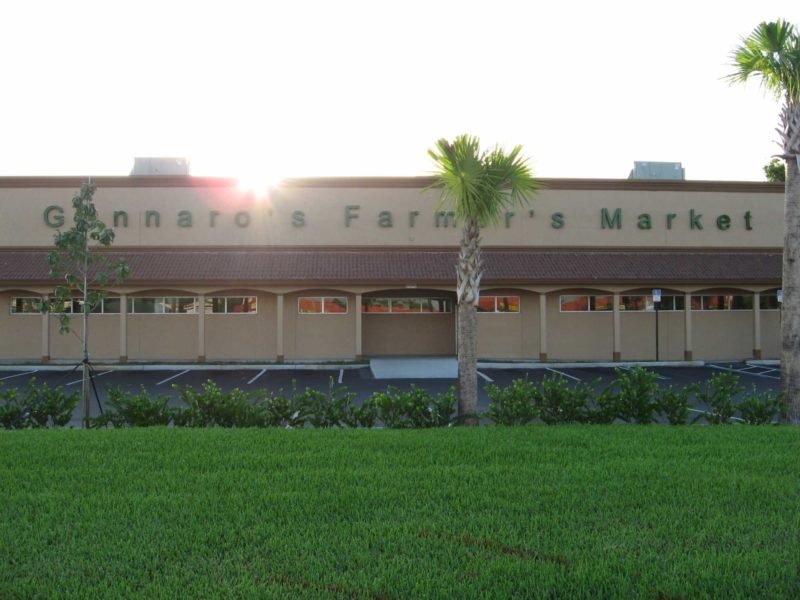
(480,186)
(772,53)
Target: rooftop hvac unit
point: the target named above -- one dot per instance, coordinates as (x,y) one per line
(160,166)
(657,170)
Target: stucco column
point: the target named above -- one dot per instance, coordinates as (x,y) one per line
(279,329)
(542,326)
(123,328)
(357,308)
(617,352)
(757,326)
(201,328)
(45,335)
(687,327)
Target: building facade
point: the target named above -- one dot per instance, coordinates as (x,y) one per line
(352,268)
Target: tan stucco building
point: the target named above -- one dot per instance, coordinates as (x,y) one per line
(350,268)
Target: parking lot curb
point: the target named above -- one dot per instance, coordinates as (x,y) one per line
(591,365)
(191,367)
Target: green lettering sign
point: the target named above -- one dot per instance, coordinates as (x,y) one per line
(212,217)
(694,220)
(350,213)
(53,220)
(449,219)
(557,220)
(385,219)
(723,222)
(509,215)
(120,215)
(412,217)
(644,221)
(670,218)
(298,218)
(609,222)
(242,219)
(150,216)
(748,224)
(184,219)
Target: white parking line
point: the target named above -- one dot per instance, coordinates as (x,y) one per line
(95,377)
(341,375)
(742,371)
(173,377)
(705,412)
(564,374)
(19,374)
(486,377)
(260,373)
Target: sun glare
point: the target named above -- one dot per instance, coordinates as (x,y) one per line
(258,184)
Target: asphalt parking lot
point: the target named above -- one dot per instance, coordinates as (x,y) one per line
(358,380)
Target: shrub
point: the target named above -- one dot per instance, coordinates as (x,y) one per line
(124,409)
(38,407)
(49,407)
(361,416)
(13,414)
(327,410)
(605,403)
(760,408)
(636,395)
(673,403)
(513,405)
(443,407)
(282,410)
(211,407)
(558,403)
(718,393)
(390,407)
(415,408)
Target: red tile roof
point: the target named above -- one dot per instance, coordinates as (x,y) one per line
(262,266)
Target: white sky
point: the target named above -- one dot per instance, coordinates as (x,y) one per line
(264,90)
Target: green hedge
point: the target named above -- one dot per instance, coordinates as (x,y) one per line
(634,396)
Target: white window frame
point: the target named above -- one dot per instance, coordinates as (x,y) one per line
(71,310)
(132,305)
(447,302)
(229,312)
(723,310)
(13,302)
(501,312)
(769,294)
(322,305)
(588,304)
(649,310)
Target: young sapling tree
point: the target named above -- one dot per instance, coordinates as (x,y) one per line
(85,273)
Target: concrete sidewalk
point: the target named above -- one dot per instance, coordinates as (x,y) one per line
(427,367)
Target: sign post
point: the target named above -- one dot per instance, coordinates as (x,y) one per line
(656,302)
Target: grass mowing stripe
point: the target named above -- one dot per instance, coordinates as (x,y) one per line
(632,511)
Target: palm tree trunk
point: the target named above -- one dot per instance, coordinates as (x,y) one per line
(469,271)
(790,317)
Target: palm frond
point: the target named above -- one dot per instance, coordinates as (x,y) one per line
(480,185)
(772,53)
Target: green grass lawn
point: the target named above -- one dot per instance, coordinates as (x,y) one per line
(493,512)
